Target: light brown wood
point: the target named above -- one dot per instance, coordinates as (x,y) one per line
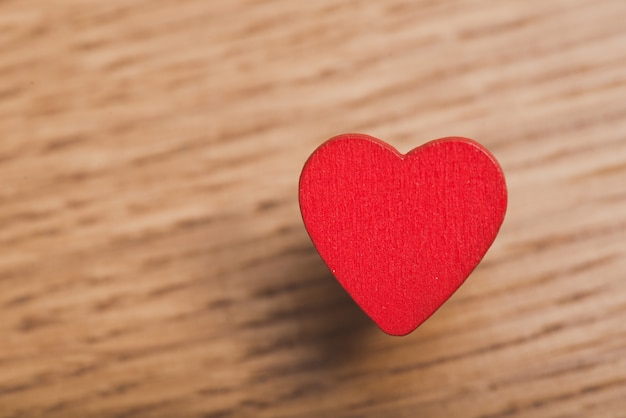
(153,260)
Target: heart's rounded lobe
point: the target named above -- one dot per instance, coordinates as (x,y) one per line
(401,232)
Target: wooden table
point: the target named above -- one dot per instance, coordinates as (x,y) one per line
(153,259)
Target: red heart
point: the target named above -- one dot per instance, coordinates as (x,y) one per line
(401,232)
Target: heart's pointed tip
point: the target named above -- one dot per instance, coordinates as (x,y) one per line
(396,333)
(397,330)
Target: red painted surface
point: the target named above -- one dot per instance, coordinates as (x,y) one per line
(401,232)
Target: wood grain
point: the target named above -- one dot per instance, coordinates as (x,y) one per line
(154,263)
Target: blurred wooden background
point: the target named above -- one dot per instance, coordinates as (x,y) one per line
(153,262)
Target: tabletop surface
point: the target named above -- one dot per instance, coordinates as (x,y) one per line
(153,258)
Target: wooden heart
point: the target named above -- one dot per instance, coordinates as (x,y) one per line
(401,233)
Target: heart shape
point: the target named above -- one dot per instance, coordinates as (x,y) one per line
(401,233)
